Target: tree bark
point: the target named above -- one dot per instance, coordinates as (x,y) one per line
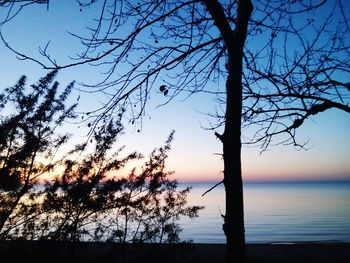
(231,138)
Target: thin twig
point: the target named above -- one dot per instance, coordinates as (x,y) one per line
(212,188)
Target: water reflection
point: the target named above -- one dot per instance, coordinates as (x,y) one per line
(276,212)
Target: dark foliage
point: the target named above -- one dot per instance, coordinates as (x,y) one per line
(88,203)
(87,200)
(27,144)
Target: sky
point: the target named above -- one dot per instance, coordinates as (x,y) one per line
(195,154)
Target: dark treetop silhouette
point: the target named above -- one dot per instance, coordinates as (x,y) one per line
(86,200)
(28,141)
(283,61)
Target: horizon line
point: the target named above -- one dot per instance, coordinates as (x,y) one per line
(335,180)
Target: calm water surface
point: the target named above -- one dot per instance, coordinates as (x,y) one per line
(275,212)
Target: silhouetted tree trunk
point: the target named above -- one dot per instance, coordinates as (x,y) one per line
(234,217)
(231,138)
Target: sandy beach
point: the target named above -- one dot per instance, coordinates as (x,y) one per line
(45,251)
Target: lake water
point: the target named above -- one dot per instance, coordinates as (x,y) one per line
(275,212)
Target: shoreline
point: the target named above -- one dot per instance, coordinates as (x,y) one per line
(54,251)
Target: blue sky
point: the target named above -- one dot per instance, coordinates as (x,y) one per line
(193,156)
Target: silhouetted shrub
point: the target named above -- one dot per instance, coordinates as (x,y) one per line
(28,139)
(89,200)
